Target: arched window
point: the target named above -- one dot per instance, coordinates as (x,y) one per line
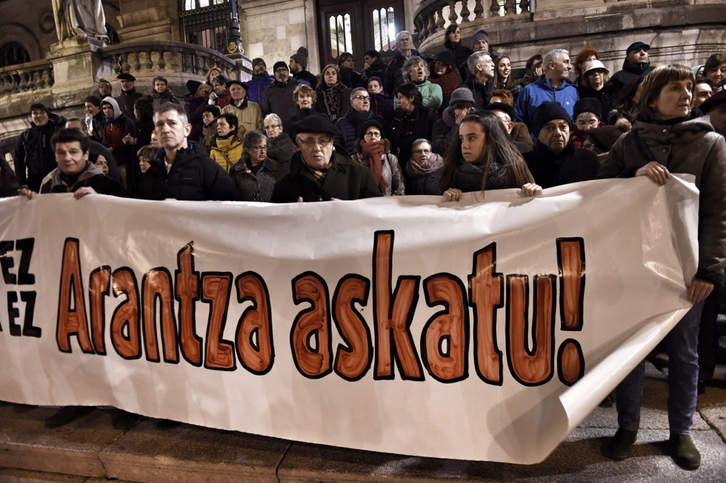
(13,53)
(205,22)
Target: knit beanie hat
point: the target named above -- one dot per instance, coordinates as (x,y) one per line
(462,94)
(192,86)
(279,64)
(604,137)
(301,57)
(480,35)
(588,104)
(446,57)
(500,106)
(258,60)
(546,112)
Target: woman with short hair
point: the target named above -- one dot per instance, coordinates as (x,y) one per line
(373,151)
(255,174)
(227,148)
(416,72)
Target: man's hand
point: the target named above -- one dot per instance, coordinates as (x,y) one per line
(27,192)
(699,290)
(81,192)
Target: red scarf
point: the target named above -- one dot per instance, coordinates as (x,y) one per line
(373,152)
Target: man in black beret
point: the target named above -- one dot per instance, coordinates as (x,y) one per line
(128,95)
(320,172)
(554,161)
(715,109)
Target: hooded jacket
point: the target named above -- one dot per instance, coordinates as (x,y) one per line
(114,132)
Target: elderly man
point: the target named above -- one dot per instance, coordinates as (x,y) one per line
(481,68)
(249,114)
(318,172)
(128,96)
(636,65)
(75,173)
(554,161)
(553,87)
(34,157)
(360,112)
(404,50)
(183,170)
(715,109)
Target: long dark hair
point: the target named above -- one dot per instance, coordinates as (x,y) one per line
(497,147)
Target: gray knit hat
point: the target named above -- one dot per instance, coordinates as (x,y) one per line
(462,94)
(480,35)
(301,57)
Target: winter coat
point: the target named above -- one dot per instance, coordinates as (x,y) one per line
(114,132)
(226,152)
(34,156)
(257,85)
(193,108)
(249,116)
(306,77)
(622,78)
(461,52)
(126,101)
(280,149)
(91,176)
(349,77)
(424,180)
(482,92)
(448,82)
(333,102)
(193,176)
(376,69)
(443,132)
(345,179)
(349,125)
(390,170)
(568,166)
(255,186)
(160,98)
(691,147)
(540,91)
(277,98)
(406,128)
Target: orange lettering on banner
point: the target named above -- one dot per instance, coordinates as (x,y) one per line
(486,293)
(72,318)
(255,348)
(310,336)
(393,314)
(125,323)
(156,286)
(354,358)
(534,366)
(216,289)
(187,292)
(99,288)
(571,263)
(445,338)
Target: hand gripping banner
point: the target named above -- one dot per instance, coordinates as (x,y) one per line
(483,330)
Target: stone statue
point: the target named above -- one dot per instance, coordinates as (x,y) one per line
(79,18)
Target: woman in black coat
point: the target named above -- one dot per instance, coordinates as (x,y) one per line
(411,121)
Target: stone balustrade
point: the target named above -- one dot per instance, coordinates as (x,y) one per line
(148,59)
(432,15)
(29,77)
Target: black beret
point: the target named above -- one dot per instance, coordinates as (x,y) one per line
(126,76)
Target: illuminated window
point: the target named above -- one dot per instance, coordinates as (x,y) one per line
(384,29)
(205,22)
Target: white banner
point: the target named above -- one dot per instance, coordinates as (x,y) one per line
(478,330)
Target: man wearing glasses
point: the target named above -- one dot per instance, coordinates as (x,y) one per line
(360,112)
(318,171)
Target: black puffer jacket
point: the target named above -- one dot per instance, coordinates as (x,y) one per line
(193,176)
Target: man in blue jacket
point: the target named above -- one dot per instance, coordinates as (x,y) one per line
(553,87)
(260,80)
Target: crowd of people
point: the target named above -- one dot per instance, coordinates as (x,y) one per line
(444,125)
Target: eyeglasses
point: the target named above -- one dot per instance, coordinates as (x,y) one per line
(267,128)
(259,148)
(312,142)
(373,134)
(361,98)
(422,151)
